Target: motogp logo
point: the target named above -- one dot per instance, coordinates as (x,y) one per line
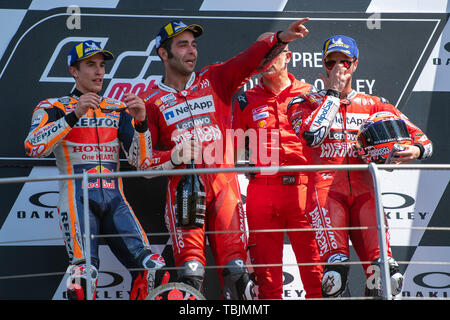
(117,86)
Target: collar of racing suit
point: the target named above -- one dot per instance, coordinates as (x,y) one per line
(165,87)
(76,94)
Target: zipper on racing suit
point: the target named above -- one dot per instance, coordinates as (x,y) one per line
(99,156)
(346,144)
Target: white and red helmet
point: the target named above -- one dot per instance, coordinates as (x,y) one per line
(378,135)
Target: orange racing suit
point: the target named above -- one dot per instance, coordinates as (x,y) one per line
(92,144)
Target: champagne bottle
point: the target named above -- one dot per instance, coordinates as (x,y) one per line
(190,201)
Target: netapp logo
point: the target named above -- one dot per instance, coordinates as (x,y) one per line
(189,108)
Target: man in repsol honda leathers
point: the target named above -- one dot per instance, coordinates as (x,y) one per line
(262,110)
(188,115)
(85,131)
(329,122)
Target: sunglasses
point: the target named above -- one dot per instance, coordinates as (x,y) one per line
(329,64)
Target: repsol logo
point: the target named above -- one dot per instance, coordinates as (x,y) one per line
(188,109)
(97,122)
(44,133)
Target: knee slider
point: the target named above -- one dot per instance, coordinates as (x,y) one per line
(334,279)
(77,280)
(152,262)
(373,284)
(237,282)
(396,277)
(192,273)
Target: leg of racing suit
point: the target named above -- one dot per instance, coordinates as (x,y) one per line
(366,244)
(224,213)
(227,214)
(70,209)
(303,242)
(373,286)
(266,248)
(328,209)
(133,249)
(354,208)
(267,210)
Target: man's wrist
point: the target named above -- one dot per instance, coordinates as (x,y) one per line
(72,118)
(421,150)
(173,163)
(333,93)
(279,39)
(141,126)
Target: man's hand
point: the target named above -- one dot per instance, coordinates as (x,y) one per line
(337,79)
(136,106)
(186,151)
(296,30)
(87,101)
(410,153)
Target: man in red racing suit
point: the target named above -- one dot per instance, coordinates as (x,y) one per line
(85,133)
(329,121)
(189,107)
(261,112)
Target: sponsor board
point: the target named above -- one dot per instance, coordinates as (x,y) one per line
(137,67)
(292,283)
(436,72)
(428,280)
(409,202)
(34,215)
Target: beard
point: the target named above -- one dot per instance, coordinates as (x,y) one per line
(180,67)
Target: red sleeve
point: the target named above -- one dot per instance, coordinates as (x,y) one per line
(298,110)
(160,157)
(229,76)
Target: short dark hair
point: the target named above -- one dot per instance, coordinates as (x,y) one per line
(76,64)
(166,45)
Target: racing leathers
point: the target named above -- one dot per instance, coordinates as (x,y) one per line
(340,199)
(92,144)
(202,111)
(262,114)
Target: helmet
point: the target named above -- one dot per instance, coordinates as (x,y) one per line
(379,135)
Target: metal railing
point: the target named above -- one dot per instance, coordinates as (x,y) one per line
(373,169)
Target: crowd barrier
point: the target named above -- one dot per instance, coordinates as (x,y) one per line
(373,169)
